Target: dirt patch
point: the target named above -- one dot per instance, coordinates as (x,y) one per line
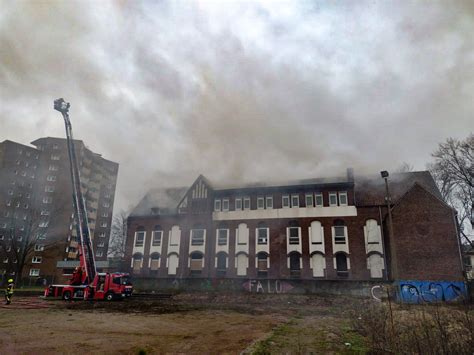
(79,331)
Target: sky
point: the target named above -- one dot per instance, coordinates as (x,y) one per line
(239,91)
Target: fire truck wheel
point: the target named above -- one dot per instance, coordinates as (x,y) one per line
(109,296)
(67,296)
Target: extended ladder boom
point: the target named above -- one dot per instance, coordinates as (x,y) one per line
(86,252)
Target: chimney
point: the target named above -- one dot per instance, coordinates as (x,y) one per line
(350,174)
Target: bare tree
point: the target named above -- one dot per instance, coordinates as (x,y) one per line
(26,233)
(118,235)
(453,171)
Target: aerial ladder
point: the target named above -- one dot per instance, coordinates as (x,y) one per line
(86,282)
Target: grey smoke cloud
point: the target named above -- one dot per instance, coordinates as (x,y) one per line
(239,91)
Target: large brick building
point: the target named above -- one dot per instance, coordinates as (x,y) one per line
(36,212)
(317,229)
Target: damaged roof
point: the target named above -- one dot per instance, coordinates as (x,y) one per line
(370,190)
(160,201)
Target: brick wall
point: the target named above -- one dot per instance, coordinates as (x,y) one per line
(425,238)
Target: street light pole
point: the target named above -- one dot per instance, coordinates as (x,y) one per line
(388,199)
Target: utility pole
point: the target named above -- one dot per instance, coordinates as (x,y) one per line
(388,199)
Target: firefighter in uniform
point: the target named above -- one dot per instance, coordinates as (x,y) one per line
(9,291)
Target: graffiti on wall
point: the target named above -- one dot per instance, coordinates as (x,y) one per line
(267,286)
(431,291)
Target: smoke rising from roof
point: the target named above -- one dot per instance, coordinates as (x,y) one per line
(239,91)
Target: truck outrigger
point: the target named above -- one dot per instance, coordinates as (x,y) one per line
(86,283)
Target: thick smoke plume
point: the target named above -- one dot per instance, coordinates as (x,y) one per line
(239,91)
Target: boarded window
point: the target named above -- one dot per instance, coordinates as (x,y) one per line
(376,265)
(154,261)
(318,264)
(316,233)
(196,262)
(242,234)
(373,232)
(262,262)
(173,262)
(175,236)
(242,264)
(137,262)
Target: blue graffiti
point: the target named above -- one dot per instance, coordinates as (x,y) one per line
(431,291)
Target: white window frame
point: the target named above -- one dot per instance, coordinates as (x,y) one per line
(34,272)
(306,196)
(99,253)
(154,241)
(267,237)
(39,247)
(336,236)
(137,233)
(342,193)
(195,241)
(48,188)
(297,196)
(238,201)
(289,236)
(36,259)
(225,204)
(247,199)
(260,203)
(51,178)
(219,239)
(287,198)
(217,205)
(333,194)
(269,205)
(53,168)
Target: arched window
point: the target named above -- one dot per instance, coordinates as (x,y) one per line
(154,261)
(221,263)
(295,263)
(196,262)
(262,264)
(157,236)
(137,261)
(341,264)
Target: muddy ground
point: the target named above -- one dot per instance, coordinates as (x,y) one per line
(186,323)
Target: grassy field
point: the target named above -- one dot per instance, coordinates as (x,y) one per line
(199,323)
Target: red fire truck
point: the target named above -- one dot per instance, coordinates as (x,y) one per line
(86,283)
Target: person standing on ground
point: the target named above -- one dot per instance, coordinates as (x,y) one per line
(9,291)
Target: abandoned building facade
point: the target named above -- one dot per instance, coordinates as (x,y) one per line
(36,212)
(316,229)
